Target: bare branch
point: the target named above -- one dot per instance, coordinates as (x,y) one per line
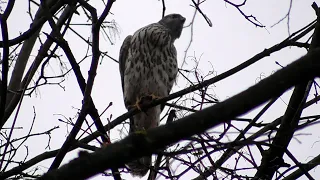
(138,145)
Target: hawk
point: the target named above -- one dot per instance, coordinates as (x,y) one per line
(148,68)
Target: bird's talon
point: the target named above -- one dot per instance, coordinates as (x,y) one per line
(154,97)
(142,132)
(137,104)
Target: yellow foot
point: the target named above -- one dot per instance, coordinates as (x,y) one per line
(154,97)
(144,100)
(149,98)
(142,132)
(137,104)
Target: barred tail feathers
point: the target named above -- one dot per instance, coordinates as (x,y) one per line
(141,122)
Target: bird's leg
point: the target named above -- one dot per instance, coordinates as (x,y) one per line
(141,131)
(144,100)
(150,98)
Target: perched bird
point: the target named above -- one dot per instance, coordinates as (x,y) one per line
(148,68)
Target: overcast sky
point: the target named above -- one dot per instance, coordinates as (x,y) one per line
(230,41)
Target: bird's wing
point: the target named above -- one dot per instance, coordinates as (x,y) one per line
(123,57)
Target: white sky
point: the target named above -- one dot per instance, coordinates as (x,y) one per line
(230,41)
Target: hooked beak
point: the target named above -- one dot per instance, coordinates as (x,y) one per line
(183,19)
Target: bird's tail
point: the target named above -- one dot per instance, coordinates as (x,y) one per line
(140,167)
(142,122)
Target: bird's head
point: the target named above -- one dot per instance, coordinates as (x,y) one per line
(174,22)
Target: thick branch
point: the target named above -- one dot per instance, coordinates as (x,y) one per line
(5,57)
(26,49)
(138,144)
(272,159)
(66,145)
(308,166)
(15,85)
(5,69)
(96,23)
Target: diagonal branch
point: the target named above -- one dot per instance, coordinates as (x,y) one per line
(66,145)
(5,68)
(16,86)
(285,43)
(87,101)
(89,138)
(272,159)
(308,166)
(139,144)
(5,57)
(230,151)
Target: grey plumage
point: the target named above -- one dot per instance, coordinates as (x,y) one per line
(148,66)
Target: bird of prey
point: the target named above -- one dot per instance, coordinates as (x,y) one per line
(148,68)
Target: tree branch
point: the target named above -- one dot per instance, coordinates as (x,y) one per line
(138,144)
(272,159)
